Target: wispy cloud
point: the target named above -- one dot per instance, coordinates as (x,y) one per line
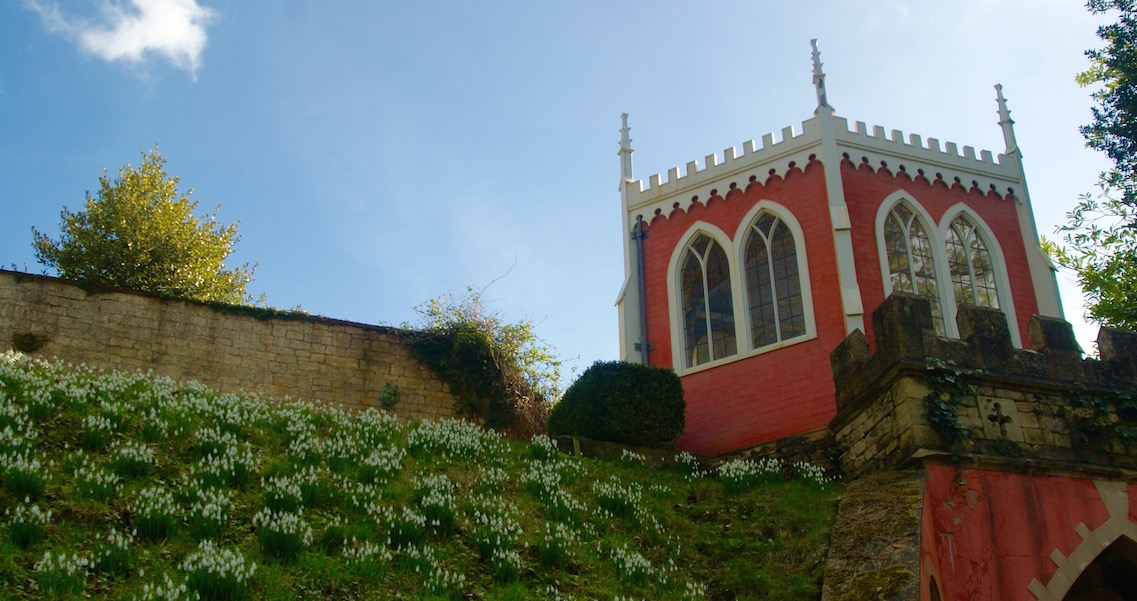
(131,32)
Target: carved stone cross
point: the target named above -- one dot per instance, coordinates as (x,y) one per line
(999,419)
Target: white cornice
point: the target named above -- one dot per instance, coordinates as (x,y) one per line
(772,158)
(913,156)
(893,152)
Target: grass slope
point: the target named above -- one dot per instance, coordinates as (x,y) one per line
(125,487)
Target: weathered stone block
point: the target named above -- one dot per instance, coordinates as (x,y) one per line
(1118,350)
(986,330)
(900,326)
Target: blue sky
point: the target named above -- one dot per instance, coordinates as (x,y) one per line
(378,154)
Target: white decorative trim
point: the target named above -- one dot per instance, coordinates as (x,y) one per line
(715,174)
(1115,496)
(893,153)
(1002,281)
(733,247)
(890,151)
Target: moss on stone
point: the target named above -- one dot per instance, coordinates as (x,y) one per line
(878,524)
(27,342)
(880,585)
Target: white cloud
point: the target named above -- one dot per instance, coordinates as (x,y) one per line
(174,29)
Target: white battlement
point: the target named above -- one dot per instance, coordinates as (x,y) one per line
(777,154)
(912,155)
(915,156)
(895,142)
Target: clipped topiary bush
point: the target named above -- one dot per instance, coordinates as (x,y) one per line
(622,402)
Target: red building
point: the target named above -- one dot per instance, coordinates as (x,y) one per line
(745,272)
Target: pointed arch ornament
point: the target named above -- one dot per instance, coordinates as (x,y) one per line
(1115,496)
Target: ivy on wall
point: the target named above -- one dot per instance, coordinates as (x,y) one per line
(1100,419)
(486,388)
(941,405)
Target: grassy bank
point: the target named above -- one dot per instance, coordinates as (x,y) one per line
(121,486)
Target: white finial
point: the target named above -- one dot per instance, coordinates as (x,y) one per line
(625,149)
(1006,123)
(819,77)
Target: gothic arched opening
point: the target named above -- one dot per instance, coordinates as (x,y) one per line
(1111,577)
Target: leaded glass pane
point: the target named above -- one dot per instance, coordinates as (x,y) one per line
(911,263)
(896,246)
(707,305)
(787,283)
(972,273)
(773,282)
(721,303)
(763,325)
(694,310)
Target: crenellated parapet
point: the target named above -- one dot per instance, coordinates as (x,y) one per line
(918,157)
(774,157)
(920,395)
(859,144)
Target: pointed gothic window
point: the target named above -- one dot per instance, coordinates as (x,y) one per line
(911,265)
(708,308)
(969,261)
(773,285)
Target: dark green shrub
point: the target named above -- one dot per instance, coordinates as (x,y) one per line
(622,402)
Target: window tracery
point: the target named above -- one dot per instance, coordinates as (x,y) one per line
(773,282)
(707,302)
(911,259)
(970,265)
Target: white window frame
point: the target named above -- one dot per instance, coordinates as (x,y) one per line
(998,262)
(675,296)
(786,217)
(937,232)
(735,253)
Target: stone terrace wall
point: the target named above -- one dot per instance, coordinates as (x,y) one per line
(232,349)
(1043,407)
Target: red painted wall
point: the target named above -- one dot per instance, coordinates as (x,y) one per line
(776,394)
(987,534)
(790,390)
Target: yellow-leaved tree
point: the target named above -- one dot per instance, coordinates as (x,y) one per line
(138,232)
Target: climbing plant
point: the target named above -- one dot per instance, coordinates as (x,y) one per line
(941,405)
(1102,418)
(501,372)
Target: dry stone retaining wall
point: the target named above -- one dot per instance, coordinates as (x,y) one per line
(233,349)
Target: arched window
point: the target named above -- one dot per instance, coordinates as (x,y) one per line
(969,261)
(911,262)
(708,308)
(773,284)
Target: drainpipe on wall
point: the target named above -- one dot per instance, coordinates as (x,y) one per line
(638,234)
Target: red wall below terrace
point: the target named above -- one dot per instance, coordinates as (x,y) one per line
(988,535)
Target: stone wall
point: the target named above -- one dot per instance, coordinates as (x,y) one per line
(1046,406)
(233,349)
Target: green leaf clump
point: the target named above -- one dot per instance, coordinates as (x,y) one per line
(502,372)
(1099,240)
